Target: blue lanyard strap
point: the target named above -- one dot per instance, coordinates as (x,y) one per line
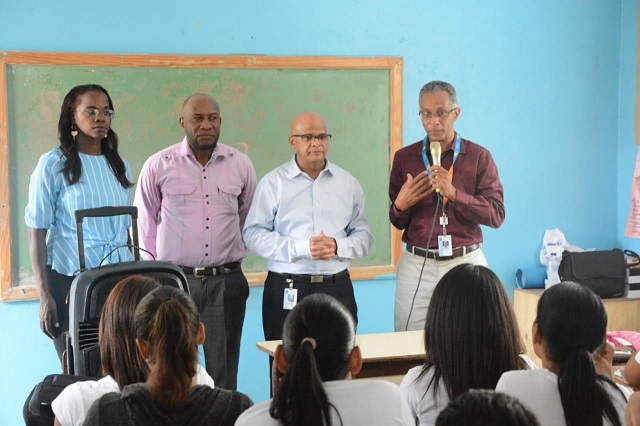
(425,159)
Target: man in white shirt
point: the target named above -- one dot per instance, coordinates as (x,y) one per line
(308,220)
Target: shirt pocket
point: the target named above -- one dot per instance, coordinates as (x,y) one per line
(177,197)
(226,197)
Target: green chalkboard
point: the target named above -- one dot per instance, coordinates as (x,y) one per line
(257,104)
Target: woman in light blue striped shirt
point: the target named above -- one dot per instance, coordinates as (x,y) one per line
(85,171)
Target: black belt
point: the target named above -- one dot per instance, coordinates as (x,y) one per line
(430,254)
(211,271)
(313,279)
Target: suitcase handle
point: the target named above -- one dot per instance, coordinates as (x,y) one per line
(107,211)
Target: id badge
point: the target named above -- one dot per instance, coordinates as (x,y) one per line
(290,298)
(444,245)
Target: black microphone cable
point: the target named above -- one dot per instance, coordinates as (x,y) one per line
(424,262)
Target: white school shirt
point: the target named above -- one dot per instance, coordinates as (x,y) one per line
(422,403)
(359,402)
(289,207)
(73,403)
(538,391)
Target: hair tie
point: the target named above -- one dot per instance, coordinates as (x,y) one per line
(310,340)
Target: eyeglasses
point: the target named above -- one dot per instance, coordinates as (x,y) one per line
(426,115)
(93,112)
(308,137)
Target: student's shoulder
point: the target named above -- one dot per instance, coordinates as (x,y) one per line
(524,379)
(257,415)
(239,397)
(362,387)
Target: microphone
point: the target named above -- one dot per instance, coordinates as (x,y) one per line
(436,153)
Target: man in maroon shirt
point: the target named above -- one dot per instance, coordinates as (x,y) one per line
(439,207)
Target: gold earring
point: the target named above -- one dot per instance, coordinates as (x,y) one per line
(74,132)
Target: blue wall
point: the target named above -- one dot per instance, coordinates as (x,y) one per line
(547,86)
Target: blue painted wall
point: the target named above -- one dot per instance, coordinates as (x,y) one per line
(547,86)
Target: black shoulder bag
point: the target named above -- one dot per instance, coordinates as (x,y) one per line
(604,272)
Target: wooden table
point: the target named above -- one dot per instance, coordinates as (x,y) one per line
(383,354)
(623,313)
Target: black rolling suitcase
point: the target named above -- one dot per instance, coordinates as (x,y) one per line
(88,293)
(91,287)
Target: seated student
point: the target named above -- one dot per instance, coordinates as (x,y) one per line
(168,332)
(120,359)
(317,354)
(570,327)
(632,412)
(482,407)
(471,337)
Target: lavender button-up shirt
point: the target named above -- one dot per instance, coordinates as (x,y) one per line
(192,215)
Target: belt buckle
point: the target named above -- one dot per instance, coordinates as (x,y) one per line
(197,271)
(316,279)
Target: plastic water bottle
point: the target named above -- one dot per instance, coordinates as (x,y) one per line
(552,271)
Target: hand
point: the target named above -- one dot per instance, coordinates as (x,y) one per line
(413,191)
(322,247)
(603,359)
(49,317)
(441,180)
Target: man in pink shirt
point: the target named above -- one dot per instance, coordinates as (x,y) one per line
(193,199)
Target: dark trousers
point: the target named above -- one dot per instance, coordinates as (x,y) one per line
(273,314)
(221,302)
(59,286)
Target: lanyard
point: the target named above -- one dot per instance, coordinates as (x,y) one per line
(427,164)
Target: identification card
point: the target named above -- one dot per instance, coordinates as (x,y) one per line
(290,298)
(445,247)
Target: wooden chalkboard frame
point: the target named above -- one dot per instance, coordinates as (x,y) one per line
(10,291)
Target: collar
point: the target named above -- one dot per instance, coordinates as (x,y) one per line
(418,148)
(184,150)
(293,170)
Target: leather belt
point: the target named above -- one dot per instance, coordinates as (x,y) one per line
(313,279)
(431,254)
(211,271)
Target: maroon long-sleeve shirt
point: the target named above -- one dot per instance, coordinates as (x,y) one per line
(479,196)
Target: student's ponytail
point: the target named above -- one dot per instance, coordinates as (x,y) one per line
(572,321)
(318,338)
(301,397)
(167,321)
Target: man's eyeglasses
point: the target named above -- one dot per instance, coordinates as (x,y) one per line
(308,137)
(426,115)
(93,112)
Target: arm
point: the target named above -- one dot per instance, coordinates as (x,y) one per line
(482,201)
(148,200)
(405,191)
(603,359)
(44,185)
(359,239)
(632,370)
(632,413)
(246,196)
(38,254)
